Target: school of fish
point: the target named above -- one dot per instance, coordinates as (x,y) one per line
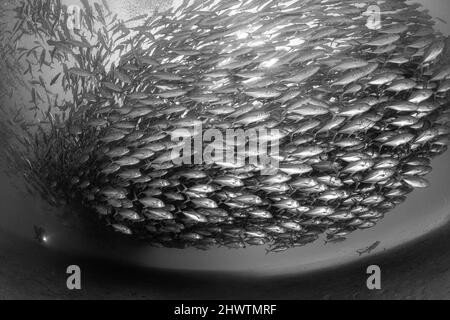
(360,112)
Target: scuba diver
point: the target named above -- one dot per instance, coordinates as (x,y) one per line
(39,234)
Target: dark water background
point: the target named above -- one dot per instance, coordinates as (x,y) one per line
(27,268)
